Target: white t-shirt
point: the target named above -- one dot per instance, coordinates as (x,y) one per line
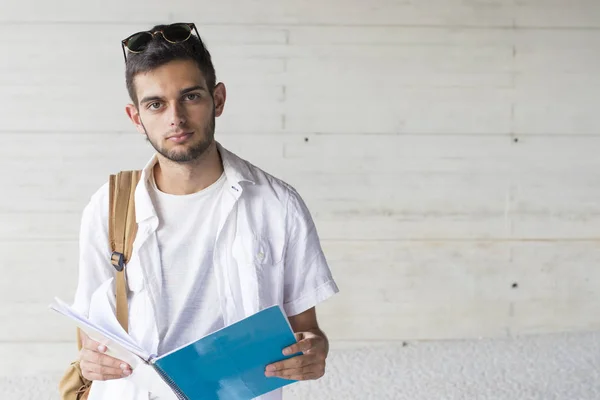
(186,236)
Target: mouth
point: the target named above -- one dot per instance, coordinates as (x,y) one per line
(180,137)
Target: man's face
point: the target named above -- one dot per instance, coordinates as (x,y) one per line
(176,110)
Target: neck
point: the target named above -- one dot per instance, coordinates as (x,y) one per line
(187,178)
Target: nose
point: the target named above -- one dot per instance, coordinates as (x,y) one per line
(177,115)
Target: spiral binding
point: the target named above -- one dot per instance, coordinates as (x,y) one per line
(178,392)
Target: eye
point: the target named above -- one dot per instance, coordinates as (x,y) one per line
(191,96)
(154,106)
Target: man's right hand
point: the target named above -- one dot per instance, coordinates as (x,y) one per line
(97,366)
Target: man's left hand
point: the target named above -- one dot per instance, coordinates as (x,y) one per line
(309,365)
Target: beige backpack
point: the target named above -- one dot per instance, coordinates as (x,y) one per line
(122,229)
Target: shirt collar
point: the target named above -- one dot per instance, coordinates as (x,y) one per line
(236,169)
(236,172)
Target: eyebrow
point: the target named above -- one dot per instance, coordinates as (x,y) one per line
(181,93)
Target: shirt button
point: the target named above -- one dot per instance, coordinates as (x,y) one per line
(261,256)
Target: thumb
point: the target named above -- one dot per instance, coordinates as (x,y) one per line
(299,336)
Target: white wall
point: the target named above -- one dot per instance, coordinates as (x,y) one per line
(447,149)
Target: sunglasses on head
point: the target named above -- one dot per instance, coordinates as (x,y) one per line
(174,33)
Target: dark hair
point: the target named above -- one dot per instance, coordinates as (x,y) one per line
(159,52)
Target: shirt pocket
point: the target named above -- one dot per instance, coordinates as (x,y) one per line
(258,251)
(259,262)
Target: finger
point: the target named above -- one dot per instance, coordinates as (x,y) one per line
(302,377)
(92,376)
(317,368)
(91,344)
(102,359)
(103,370)
(303,374)
(292,363)
(300,347)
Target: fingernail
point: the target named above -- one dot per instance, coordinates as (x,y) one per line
(287,352)
(270,368)
(123,367)
(101,348)
(127,372)
(268,373)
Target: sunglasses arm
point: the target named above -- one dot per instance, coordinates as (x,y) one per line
(124,51)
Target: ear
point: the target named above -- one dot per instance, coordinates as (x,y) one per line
(219,96)
(134,115)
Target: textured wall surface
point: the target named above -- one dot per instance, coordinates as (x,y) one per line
(448,150)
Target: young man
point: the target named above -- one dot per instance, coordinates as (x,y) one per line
(218,239)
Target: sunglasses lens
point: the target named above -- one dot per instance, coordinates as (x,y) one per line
(177,32)
(138,41)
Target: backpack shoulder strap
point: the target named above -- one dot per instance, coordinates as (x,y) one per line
(122,229)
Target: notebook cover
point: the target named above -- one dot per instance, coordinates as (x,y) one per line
(230,363)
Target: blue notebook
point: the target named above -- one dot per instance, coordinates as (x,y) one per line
(230,363)
(227,364)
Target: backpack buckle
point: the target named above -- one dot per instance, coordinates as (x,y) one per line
(118,261)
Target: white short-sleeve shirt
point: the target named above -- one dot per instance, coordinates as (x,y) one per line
(266,252)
